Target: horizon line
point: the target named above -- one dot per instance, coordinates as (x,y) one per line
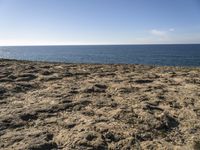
(103,44)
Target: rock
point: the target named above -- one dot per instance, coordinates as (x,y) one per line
(106,74)
(22,87)
(126,116)
(12,77)
(105,103)
(92,140)
(41,141)
(143,81)
(88,113)
(43,146)
(97,88)
(68,74)
(91,136)
(110,137)
(101,86)
(28,116)
(174,104)
(11,123)
(153,76)
(147,136)
(70,125)
(81,104)
(74,92)
(167,123)
(6,80)
(46,72)
(2,91)
(66,101)
(151,107)
(26,77)
(81,73)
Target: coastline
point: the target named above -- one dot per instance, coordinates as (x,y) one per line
(98,106)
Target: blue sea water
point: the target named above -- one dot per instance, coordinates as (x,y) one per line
(171,55)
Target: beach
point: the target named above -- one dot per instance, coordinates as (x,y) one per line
(47,105)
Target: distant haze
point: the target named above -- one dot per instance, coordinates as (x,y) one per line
(85,22)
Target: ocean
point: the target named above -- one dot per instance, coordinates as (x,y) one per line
(164,55)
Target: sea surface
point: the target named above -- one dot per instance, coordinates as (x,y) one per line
(170,55)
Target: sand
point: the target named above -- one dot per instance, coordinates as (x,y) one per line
(98,107)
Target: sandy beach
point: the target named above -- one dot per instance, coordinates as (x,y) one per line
(98,107)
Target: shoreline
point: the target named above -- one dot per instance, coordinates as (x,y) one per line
(113,64)
(56,105)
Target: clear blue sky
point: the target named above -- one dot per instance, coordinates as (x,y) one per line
(52,22)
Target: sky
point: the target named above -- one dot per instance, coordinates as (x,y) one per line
(85,22)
